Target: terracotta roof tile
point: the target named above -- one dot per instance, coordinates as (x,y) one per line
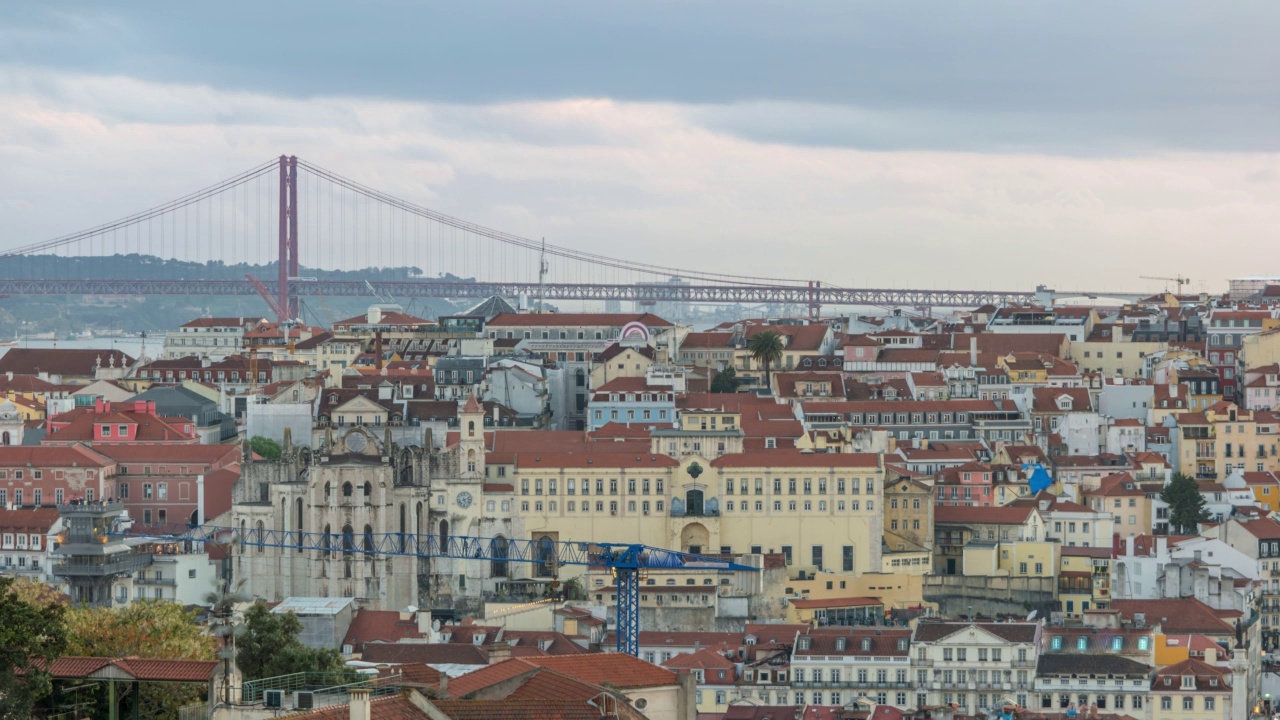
(619,669)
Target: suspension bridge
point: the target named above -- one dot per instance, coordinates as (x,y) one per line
(361,241)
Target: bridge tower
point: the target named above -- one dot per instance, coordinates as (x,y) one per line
(92,558)
(288,258)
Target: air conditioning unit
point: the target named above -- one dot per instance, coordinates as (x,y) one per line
(304,700)
(273,699)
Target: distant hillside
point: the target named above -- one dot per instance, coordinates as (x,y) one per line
(65,315)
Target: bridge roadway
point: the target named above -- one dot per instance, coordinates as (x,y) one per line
(641,293)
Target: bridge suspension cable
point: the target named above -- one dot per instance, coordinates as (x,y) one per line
(537,245)
(137,218)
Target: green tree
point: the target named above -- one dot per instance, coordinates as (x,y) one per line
(725,381)
(154,629)
(1187,506)
(766,348)
(269,646)
(266,447)
(30,632)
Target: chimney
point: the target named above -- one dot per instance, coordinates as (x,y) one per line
(499,652)
(1128,546)
(495,413)
(1173,390)
(973,350)
(444,685)
(1162,547)
(98,405)
(360,706)
(1210,656)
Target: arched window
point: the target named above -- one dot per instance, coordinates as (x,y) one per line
(368,538)
(403,542)
(498,551)
(259,537)
(348,539)
(195,518)
(368,490)
(417,520)
(471,428)
(444,535)
(471,461)
(298,512)
(4,439)
(326,542)
(346,489)
(328,492)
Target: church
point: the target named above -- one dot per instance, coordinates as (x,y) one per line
(343,519)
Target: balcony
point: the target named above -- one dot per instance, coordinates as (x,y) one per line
(921,662)
(165,582)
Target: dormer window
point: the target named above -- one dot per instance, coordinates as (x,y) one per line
(866,644)
(477,639)
(840,644)
(804,643)
(1189,681)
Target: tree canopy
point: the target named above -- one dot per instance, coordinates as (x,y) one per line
(1187,506)
(30,632)
(269,646)
(266,447)
(725,381)
(157,629)
(766,348)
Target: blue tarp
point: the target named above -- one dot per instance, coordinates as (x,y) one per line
(1040,479)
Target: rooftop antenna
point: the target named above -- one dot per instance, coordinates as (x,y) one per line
(542,272)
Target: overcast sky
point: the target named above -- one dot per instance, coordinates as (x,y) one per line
(994,144)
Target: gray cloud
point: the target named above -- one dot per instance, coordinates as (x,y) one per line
(1082,77)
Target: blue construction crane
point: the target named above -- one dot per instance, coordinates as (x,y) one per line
(626,561)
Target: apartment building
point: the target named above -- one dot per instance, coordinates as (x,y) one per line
(974,665)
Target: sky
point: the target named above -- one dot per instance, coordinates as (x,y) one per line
(927,144)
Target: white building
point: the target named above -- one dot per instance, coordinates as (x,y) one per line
(183,577)
(27,537)
(1211,571)
(214,337)
(836,665)
(977,666)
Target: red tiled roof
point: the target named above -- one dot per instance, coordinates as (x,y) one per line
(965,515)
(618,669)
(141,668)
(379,626)
(71,455)
(60,361)
(28,520)
(517,709)
(1266,529)
(1182,615)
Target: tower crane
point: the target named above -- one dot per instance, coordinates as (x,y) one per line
(1177,279)
(626,561)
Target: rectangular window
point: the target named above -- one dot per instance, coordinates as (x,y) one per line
(146,491)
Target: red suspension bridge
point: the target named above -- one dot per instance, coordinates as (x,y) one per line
(356,234)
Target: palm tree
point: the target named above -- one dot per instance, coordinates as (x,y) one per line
(766,348)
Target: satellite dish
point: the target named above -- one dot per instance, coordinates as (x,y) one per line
(435,626)
(1032,615)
